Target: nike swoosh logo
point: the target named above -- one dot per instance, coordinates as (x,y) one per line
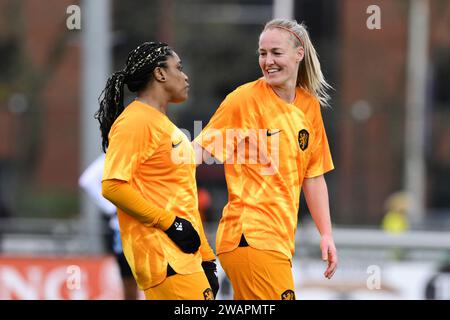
(272,133)
(177,144)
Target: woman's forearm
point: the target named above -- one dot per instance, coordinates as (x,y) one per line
(133,203)
(316,195)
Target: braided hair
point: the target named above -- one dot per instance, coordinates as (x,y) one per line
(136,75)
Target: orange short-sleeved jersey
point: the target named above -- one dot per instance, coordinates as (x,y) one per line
(150,153)
(268,147)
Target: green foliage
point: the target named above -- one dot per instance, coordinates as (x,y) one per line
(48,203)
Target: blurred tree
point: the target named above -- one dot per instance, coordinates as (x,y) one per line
(21,74)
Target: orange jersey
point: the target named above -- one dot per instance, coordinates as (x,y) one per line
(268,147)
(145,149)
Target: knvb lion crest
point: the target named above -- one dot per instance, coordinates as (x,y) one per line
(303,137)
(288,295)
(208,294)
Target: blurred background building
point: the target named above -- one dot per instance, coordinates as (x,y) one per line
(41,98)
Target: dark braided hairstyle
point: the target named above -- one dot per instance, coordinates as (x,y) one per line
(136,75)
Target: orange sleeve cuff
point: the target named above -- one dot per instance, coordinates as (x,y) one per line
(125,197)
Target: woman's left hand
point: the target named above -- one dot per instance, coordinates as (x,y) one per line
(210,269)
(329,254)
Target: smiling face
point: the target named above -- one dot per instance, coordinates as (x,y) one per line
(176,81)
(278,58)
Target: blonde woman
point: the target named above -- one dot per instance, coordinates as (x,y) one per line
(278,119)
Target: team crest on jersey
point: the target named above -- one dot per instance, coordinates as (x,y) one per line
(303,137)
(208,294)
(288,295)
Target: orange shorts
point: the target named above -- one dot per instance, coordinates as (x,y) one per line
(258,274)
(182,287)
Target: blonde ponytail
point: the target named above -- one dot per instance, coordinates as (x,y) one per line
(310,75)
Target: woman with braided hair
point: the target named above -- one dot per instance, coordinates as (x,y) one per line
(156,197)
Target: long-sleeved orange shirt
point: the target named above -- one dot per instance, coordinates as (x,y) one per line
(153,157)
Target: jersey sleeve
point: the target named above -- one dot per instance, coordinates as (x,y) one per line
(227,127)
(320,161)
(130,143)
(134,204)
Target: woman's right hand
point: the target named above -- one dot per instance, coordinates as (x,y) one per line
(184,235)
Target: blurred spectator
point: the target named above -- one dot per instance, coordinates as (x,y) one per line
(395,220)
(91,182)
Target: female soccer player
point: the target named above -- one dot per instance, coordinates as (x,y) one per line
(155,192)
(275,144)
